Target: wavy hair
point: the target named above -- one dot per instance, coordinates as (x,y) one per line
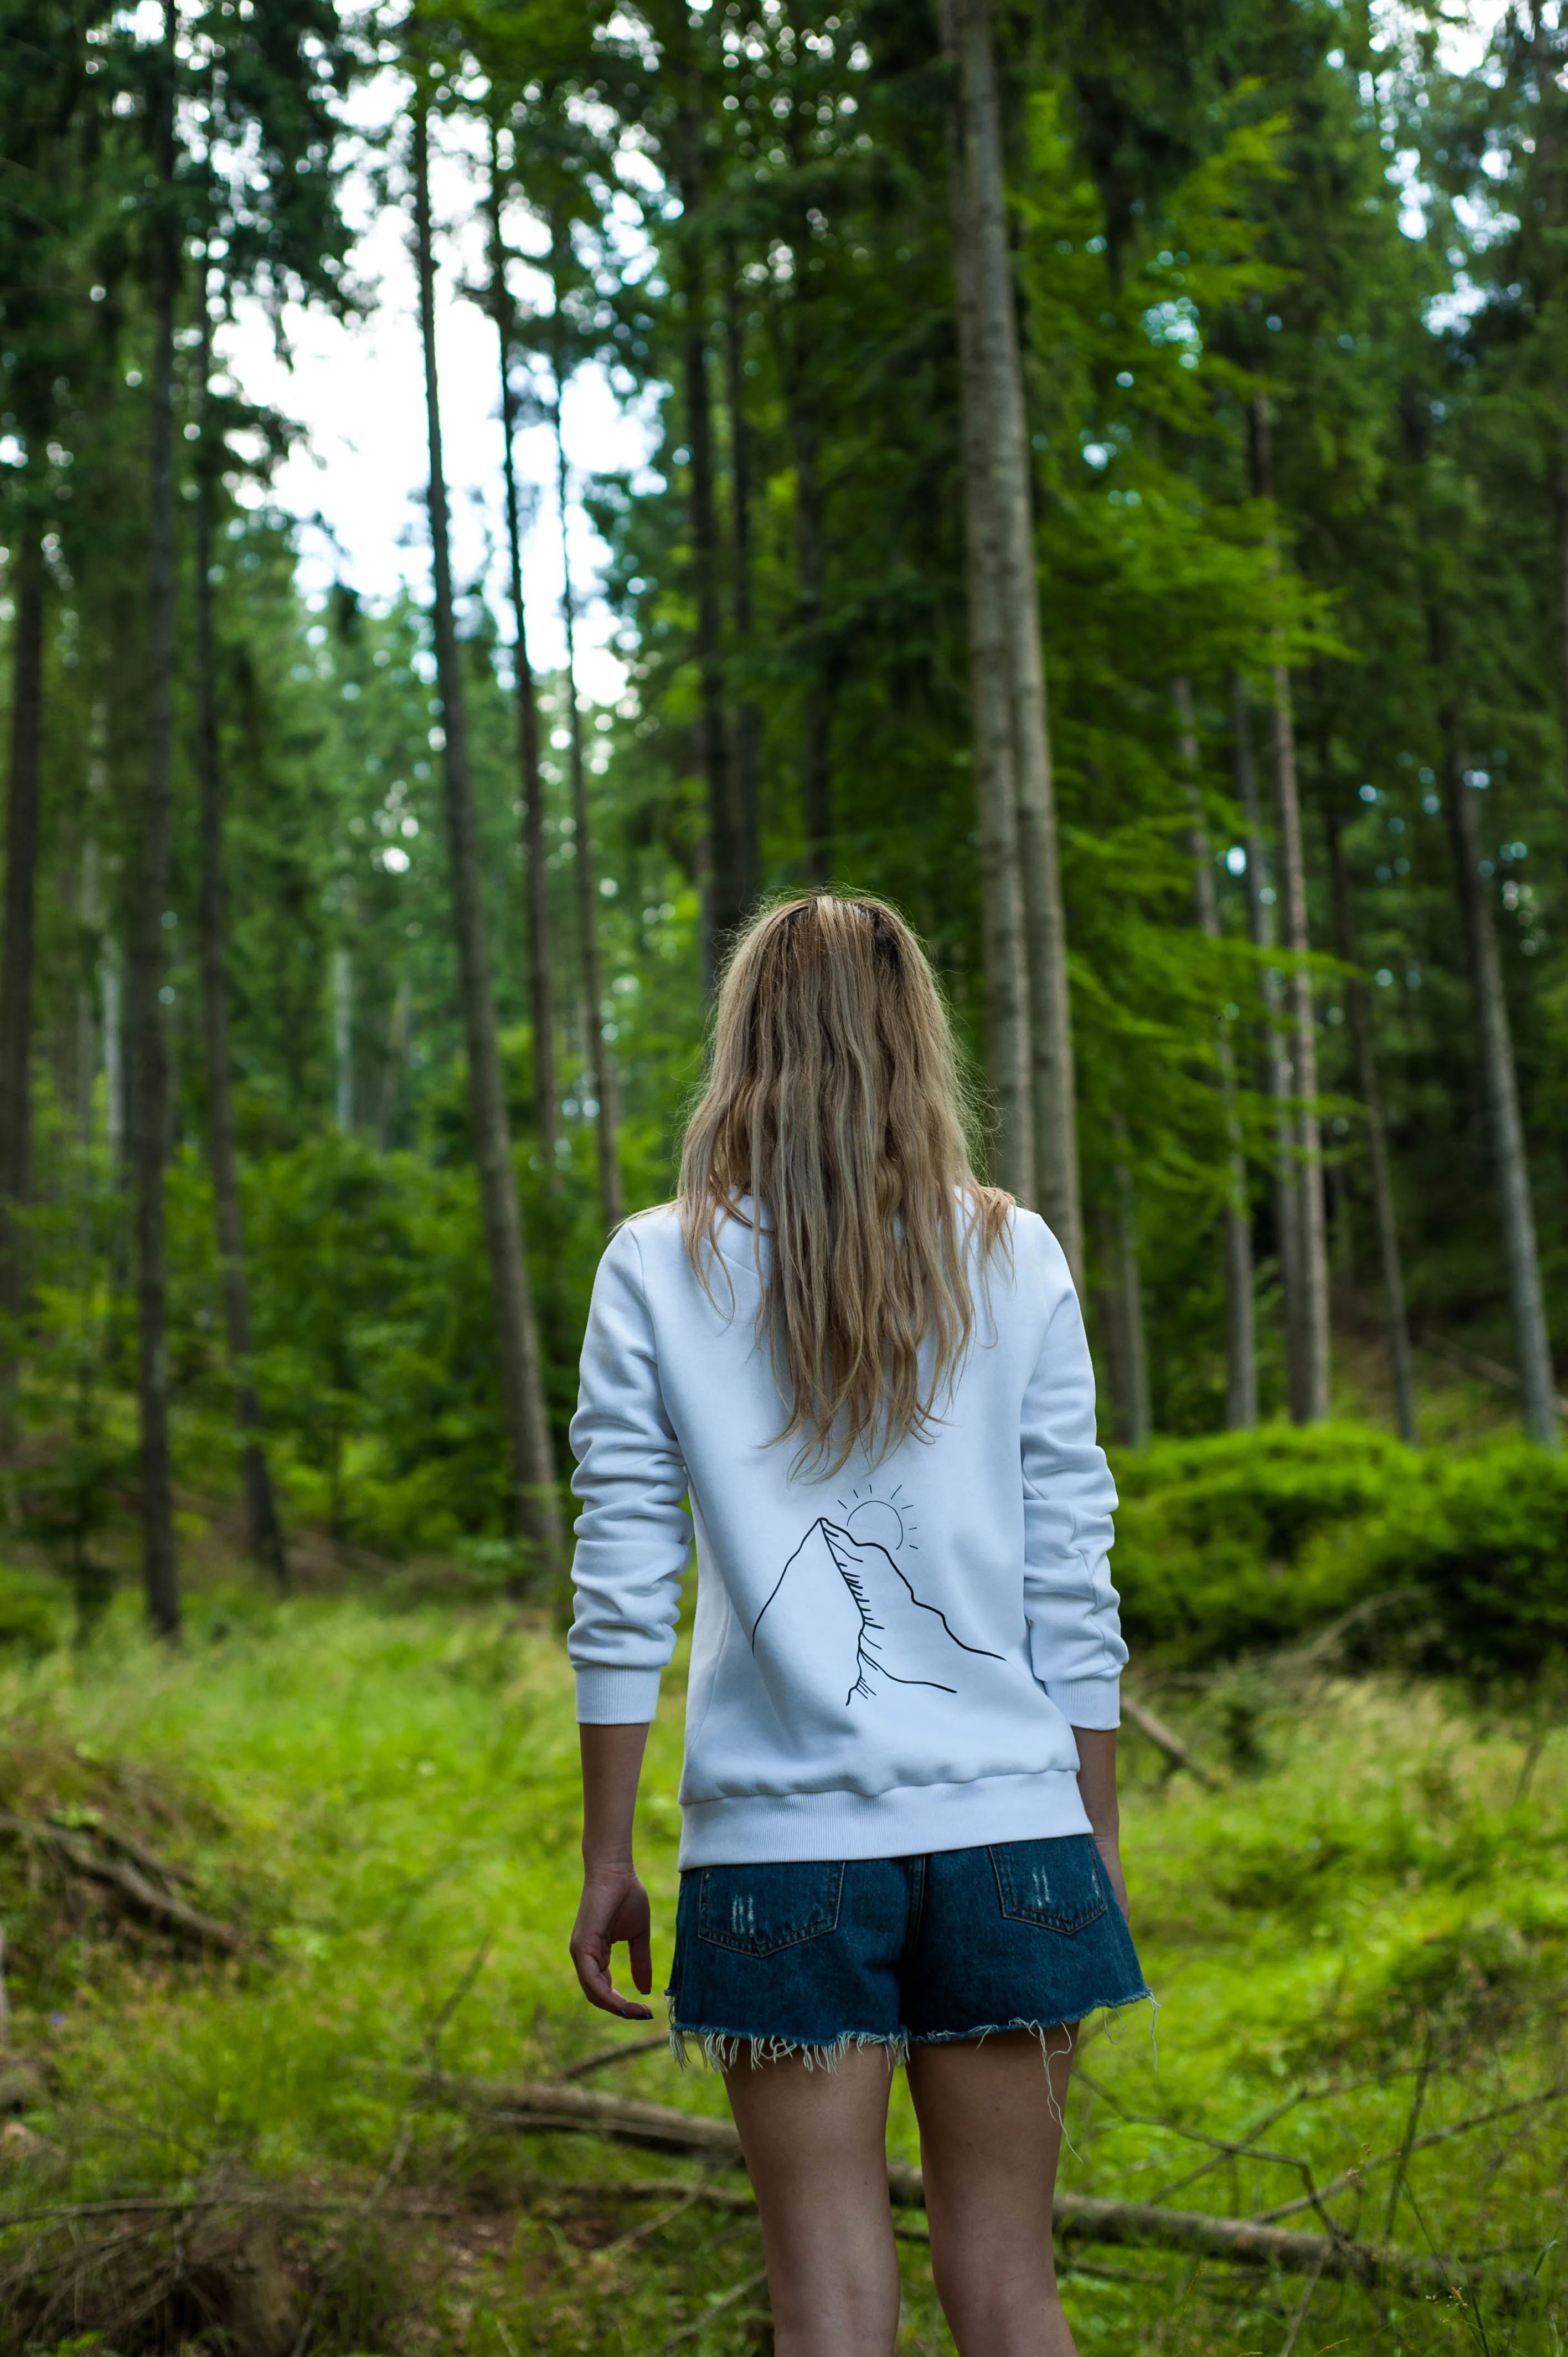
(833,1102)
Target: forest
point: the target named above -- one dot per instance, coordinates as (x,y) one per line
(1103,487)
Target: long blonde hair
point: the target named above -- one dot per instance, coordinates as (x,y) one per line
(834,1102)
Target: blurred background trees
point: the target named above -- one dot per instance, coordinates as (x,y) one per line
(1108,491)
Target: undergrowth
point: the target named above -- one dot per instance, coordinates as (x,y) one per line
(1360,1937)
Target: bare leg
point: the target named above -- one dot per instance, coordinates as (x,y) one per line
(816,2145)
(989,2140)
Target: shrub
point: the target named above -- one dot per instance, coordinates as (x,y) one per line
(1487,1538)
(1253,1539)
(1244,1540)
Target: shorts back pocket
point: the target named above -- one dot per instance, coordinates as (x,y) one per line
(758,1910)
(1057,1884)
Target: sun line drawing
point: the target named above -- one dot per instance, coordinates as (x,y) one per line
(881,1522)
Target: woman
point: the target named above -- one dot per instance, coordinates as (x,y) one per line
(862,1377)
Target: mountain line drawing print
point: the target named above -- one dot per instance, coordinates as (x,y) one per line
(888,1633)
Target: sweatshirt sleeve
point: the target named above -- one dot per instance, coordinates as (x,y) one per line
(634,1535)
(1075,1632)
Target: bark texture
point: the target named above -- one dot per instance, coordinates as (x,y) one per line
(726,833)
(606,1077)
(1306,1263)
(149,1043)
(1396,1319)
(998,477)
(1003,942)
(810,574)
(17,956)
(1135,1414)
(1260,930)
(535,1502)
(748,719)
(1240,1326)
(540,985)
(262,1531)
(1499,1082)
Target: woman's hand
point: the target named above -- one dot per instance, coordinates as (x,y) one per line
(1110,1850)
(614,1906)
(1097,1785)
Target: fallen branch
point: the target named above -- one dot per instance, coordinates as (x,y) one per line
(554,2109)
(1164,1739)
(141,1855)
(604,2057)
(717,2306)
(1354,2176)
(1319,1648)
(158,1907)
(1472,1362)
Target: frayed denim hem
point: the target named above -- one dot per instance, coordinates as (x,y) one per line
(724,2049)
(1114,2005)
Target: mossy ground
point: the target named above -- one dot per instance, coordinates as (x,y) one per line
(1359,1938)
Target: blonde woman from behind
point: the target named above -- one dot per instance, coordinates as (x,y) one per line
(860,1378)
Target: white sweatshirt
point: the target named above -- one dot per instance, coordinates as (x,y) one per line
(885,1661)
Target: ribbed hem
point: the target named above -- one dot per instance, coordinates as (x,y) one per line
(1094,1703)
(617,1697)
(772,1828)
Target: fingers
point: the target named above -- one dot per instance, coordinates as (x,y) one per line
(641,1953)
(600,1989)
(592,1959)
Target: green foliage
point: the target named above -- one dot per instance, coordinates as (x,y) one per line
(30,1614)
(1252,1540)
(1486,1541)
(1243,1541)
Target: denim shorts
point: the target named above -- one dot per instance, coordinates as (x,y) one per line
(897,1952)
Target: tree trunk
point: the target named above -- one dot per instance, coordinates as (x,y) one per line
(1560,513)
(116,1110)
(748,719)
(149,1044)
(1004,947)
(89,916)
(726,897)
(1002,445)
(1119,1305)
(1260,932)
(535,1504)
(17,958)
(816,773)
(263,1536)
(393,1060)
(1307,1301)
(606,1077)
(1137,1422)
(1357,1008)
(541,987)
(1241,1334)
(1494,1048)
(343,1034)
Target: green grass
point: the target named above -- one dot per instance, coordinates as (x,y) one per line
(1364,1920)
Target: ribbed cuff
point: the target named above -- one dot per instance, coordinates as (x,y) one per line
(617,1697)
(1094,1703)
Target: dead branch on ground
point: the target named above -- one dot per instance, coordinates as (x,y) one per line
(604,2057)
(553,2108)
(160,1908)
(1164,1739)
